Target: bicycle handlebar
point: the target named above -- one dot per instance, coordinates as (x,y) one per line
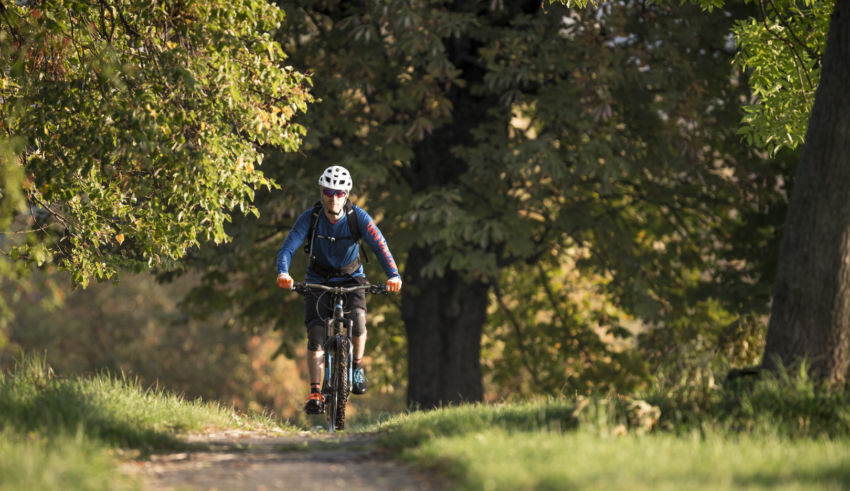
(303,288)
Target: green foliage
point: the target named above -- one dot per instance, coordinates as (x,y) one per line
(782,52)
(685,357)
(660,223)
(135,129)
(789,406)
(781,48)
(553,331)
(589,129)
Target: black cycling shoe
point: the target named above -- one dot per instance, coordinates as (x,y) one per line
(359,385)
(315,404)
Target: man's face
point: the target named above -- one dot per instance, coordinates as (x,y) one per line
(333,200)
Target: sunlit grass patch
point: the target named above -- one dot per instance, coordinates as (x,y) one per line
(498,459)
(413,428)
(115,410)
(773,435)
(65,432)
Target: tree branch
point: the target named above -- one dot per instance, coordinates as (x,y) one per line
(12,30)
(104,6)
(551,296)
(799,42)
(517,330)
(127,26)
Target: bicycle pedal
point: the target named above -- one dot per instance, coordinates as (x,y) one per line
(314,409)
(314,406)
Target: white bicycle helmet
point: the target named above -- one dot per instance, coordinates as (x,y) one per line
(336,177)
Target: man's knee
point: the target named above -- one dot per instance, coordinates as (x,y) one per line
(315,336)
(358,327)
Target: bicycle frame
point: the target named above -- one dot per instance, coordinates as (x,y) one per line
(338,349)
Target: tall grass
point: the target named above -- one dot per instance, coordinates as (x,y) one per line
(112,409)
(780,431)
(58,432)
(785,403)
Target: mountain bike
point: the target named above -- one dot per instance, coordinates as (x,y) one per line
(336,386)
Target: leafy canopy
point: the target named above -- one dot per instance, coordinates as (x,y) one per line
(131,131)
(597,136)
(781,50)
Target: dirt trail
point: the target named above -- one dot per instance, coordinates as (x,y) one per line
(301,461)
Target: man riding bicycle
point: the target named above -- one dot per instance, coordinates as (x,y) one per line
(334,258)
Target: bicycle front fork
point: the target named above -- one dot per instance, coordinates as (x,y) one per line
(330,351)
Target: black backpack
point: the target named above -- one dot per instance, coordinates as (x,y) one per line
(353,229)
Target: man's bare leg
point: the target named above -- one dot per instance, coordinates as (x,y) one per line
(359,346)
(315,366)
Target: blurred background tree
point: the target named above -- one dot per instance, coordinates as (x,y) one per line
(496,144)
(136,327)
(797,59)
(565,190)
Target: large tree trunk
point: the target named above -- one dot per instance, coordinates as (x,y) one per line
(443,318)
(810,316)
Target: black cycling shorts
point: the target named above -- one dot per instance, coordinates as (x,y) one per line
(322,299)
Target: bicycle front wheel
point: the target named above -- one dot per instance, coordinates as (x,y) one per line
(329,389)
(342,382)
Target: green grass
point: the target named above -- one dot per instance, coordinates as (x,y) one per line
(785,432)
(499,459)
(62,433)
(776,433)
(35,462)
(414,428)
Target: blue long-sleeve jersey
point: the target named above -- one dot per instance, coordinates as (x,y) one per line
(339,252)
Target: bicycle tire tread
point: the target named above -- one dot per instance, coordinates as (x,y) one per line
(343,389)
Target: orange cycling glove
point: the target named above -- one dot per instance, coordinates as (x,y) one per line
(284,281)
(394,284)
